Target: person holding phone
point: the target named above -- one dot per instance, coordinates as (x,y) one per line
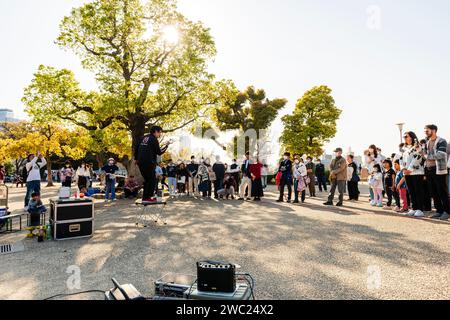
(146,156)
(33,175)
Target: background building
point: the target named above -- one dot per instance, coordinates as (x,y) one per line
(7,115)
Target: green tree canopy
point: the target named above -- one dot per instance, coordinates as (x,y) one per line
(249,109)
(312,124)
(150,63)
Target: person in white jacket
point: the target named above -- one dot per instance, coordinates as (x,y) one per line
(33,166)
(82,176)
(372,157)
(300,174)
(412,164)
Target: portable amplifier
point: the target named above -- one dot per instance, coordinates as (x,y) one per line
(216,277)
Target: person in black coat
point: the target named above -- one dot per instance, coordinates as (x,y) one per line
(286,177)
(352,183)
(320,174)
(146,154)
(219,170)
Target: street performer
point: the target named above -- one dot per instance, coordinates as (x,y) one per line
(145,155)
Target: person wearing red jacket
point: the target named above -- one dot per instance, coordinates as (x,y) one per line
(257,187)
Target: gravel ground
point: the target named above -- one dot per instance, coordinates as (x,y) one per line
(293,251)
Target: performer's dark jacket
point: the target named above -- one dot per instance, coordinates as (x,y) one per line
(148,150)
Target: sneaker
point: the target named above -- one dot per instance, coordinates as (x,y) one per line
(339,204)
(419,214)
(328,203)
(373,203)
(436,216)
(241,199)
(380,205)
(25,208)
(411,213)
(398,209)
(445,216)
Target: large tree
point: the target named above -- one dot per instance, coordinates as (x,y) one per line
(246,110)
(10,148)
(312,124)
(150,63)
(51,140)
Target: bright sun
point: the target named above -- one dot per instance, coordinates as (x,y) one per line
(171,35)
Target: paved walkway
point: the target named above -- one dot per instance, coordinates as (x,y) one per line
(294,251)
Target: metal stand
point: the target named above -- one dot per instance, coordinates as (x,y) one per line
(150,213)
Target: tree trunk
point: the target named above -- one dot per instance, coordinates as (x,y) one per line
(100,162)
(17,163)
(49,173)
(137,132)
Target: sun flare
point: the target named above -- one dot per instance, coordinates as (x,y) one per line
(171,35)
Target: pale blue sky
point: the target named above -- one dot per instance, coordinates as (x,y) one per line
(398,73)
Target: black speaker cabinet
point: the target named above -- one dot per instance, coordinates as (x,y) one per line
(216,277)
(72,219)
(67,210)
(73,229)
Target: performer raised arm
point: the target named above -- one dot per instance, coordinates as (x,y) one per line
(146,154)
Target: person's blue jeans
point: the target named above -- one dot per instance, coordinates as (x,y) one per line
(110,189)
(32,186)
(372,195)
(172,185)
(449,184)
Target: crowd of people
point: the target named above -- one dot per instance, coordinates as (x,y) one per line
(415,178)
(219,180)
(411,181)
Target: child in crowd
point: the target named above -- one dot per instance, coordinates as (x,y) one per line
(172,178)
(35,209)
(401,188)
(131,188)
(376,185)
(88,192)
(389,183)
(228,187)
(300,179)
(182,178)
